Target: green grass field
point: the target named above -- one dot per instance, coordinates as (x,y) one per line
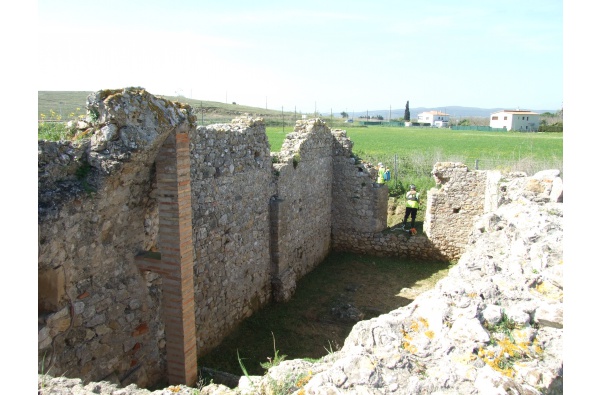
(410,149)
(381,142)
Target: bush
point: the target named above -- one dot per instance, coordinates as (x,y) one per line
(554,128)
(55,128)
(55,131)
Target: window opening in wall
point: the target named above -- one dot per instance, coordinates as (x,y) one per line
(456,210)
(51,290)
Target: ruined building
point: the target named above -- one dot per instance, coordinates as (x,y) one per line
(158,236)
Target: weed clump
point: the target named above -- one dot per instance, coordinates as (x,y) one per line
(504,351)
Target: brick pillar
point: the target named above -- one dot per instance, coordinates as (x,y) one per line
(176,258)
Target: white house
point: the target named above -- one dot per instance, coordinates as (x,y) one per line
(518,120)
(435,118)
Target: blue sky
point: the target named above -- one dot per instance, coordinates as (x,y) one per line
(324,55)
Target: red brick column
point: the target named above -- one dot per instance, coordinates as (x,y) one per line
(176,258)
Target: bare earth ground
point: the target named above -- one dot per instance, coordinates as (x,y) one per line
(343,290)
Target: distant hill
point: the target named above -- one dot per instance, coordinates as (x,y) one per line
(74,102)
(65,103)
(454,111)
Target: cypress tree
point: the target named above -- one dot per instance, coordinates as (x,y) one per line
(407,113)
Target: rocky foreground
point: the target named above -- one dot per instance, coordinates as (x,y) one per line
(494,325)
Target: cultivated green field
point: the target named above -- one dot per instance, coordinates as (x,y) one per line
(411,152)
(445,144)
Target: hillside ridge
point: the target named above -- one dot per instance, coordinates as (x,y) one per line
(67,102)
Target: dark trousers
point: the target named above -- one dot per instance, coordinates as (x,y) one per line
(413,214)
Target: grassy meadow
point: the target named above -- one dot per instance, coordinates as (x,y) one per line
(410,153)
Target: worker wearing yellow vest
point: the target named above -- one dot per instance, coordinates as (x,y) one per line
(380,174)
(412,205)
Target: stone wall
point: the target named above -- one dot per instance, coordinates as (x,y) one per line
(114,241)
(494,325)
(301,206)
(231,184)
(451,209)
(99,315)
(360,205)
(461,195)
(360,211)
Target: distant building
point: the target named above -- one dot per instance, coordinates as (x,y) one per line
(434,118)
(518,120)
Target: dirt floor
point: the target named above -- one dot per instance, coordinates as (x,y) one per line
(343,290)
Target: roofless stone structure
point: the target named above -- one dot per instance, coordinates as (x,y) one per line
(158,236)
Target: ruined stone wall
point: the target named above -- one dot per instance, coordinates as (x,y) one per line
(450,213)
(360,211)
(390,243)
(258,223)
(301,206)
(452,338)
(359,204)
(231,186)
(256,228)
(451,209)
(99,315)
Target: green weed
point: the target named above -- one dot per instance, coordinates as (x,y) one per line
(505,326)
(54,128)
(276,357)
(503,351)
(296,160)
(330,349)
(244,370)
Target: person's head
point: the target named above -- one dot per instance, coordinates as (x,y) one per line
(413,187)
(380,164)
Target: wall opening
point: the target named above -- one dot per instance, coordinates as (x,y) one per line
(51,290)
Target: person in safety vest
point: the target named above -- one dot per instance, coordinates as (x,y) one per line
(381,174)
(412,205)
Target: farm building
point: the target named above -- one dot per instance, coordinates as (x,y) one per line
(519,120)
(435,118)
